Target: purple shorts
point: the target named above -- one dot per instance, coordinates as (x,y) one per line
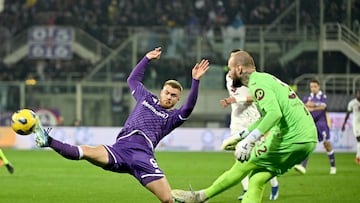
(133,155)
(323,133)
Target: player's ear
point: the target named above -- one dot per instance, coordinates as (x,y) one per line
(238,69)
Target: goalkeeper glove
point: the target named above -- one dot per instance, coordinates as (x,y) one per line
(230,142)
(244,147)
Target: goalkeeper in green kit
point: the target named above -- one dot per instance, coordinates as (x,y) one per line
(292,135)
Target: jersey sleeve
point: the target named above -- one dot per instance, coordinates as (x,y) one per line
(189,105)
(254,125)
(135,78)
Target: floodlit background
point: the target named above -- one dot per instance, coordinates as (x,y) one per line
(68,61)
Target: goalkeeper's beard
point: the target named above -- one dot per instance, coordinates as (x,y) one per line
(244,77)
(237,83)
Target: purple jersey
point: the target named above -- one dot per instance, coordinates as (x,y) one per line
(318,115)
(148,118)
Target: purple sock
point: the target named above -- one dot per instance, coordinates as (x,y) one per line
(331,156)
(66,150)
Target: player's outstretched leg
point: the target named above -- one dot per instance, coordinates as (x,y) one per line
(226,180)
(43,139)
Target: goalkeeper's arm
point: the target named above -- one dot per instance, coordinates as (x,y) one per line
(230,143)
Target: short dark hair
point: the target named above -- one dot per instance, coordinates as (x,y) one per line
(314,80)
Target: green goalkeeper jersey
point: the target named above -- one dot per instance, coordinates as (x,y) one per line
(281,111)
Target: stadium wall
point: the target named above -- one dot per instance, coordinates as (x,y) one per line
(181,139)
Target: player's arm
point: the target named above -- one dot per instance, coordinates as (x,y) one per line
(235,99)
(242,97)
(136,75)
(270,110)
(345,120)
(197,72)
(317,106)
(349,110)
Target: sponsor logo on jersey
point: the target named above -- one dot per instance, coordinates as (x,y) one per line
(153,109)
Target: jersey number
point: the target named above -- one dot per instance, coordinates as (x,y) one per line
(262,149)
(154,163)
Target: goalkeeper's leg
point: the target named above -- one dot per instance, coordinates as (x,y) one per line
(230,178)
(257,181)
(226,180)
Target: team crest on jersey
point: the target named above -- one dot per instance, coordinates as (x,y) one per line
(259,94)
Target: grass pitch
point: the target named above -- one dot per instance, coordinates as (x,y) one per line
(42,176)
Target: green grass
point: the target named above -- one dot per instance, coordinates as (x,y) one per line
(42,176)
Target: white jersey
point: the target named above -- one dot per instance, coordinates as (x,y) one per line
(354,107)
(242,113)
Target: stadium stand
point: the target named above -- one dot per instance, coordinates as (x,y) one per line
(189,29)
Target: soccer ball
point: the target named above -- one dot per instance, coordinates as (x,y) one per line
(23,121)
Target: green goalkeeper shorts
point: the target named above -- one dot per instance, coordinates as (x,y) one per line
(279,158)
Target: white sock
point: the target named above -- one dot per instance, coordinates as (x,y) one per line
(274,182)
(81,153)
(358,150)
(331,152)
(245,183)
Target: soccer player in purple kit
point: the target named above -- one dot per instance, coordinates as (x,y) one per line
(316,104)
(151,120)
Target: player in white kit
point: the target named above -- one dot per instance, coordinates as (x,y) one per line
(243,113)
(354,107)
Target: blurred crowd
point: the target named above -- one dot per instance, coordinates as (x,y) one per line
(109,21)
